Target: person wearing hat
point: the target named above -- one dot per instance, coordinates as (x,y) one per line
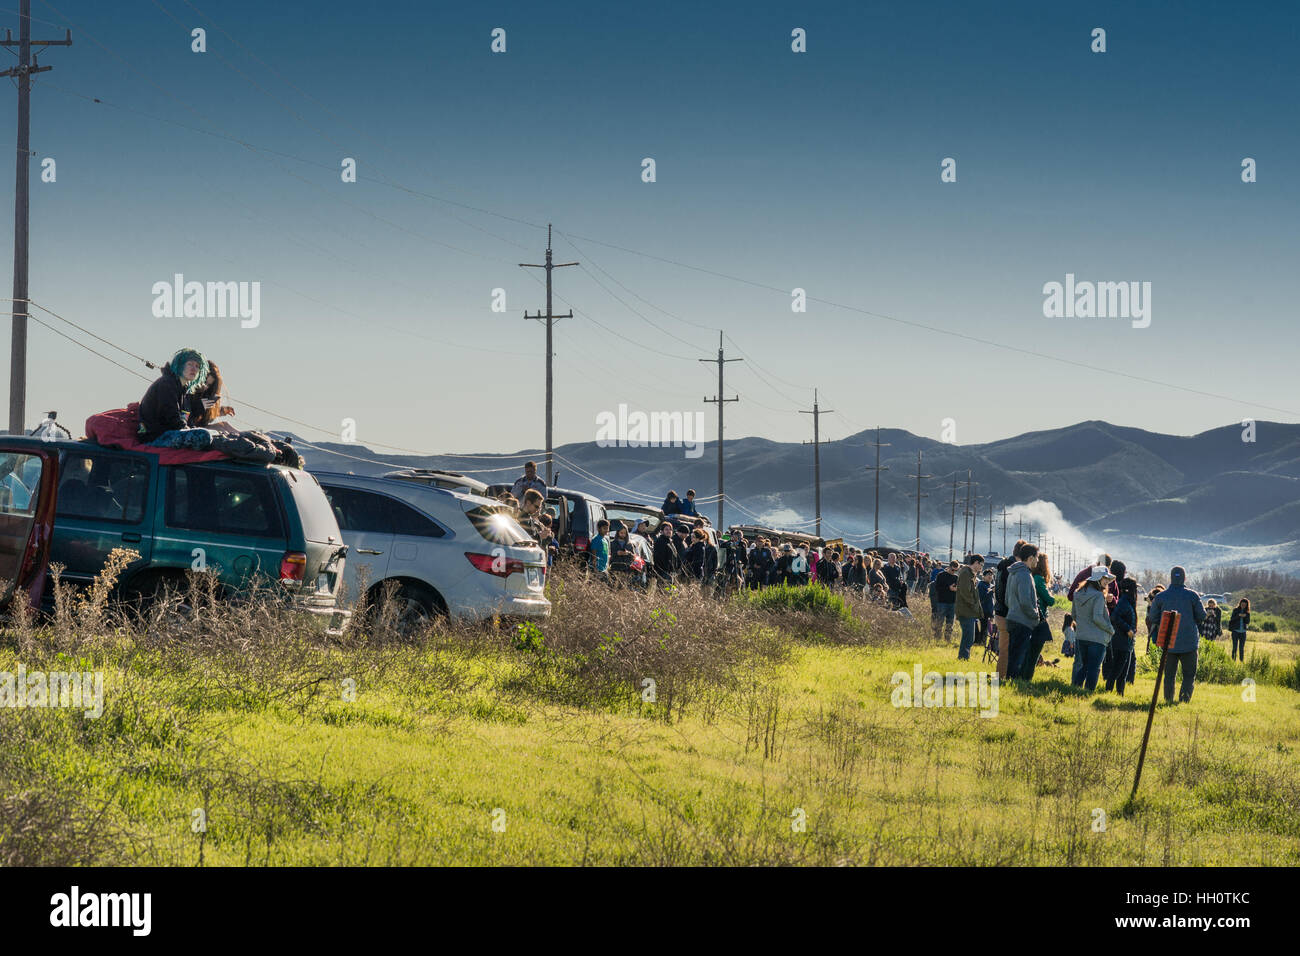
(1179,597)
(1093,629)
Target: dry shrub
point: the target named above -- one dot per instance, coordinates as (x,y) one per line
(603,645)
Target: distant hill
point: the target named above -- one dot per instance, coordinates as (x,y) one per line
(1155,499)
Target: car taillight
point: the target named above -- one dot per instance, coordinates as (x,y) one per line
(581,542)
(293,567)
(495,564)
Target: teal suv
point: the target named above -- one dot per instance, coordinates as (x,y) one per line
(256,527)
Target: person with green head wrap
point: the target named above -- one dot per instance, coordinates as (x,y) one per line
(164,410)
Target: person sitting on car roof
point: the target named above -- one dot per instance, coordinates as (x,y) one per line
(165,408)
(687,507)
(205,402)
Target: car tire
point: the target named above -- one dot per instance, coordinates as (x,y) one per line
(147,591)
(417,606)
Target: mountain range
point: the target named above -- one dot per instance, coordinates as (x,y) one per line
(1230,495)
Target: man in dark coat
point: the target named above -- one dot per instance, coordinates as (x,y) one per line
(1178,597)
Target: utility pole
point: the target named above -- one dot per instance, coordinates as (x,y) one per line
(816,413)
(918,476)
(1021,533)
(965,518)
(23,71)
(1003,514)
(550,318)
(952,528)
(722,363)
(990,520)
(878,468)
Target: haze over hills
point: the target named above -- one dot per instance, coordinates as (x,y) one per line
(1153,499)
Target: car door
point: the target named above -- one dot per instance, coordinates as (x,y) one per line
(366,523)
(103,504)
(415,535)
(29,481)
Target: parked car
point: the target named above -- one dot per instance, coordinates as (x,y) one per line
(442,552)
(633,514)
(256,527)
(451,480)
(576,515)
(793,538)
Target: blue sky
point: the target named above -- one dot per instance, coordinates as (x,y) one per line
(817,170)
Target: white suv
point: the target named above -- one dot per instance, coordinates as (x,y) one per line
(445,552)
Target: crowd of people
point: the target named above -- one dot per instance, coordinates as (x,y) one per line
(1002,608)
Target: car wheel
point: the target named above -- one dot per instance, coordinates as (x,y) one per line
(411,607)
(150,592)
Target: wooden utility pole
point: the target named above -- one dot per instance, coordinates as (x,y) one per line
(1166,634)
(918,496)
(952,528)
(965,519)
(1003,515)
(22,72)
(878,468)
(816,413)
(722,363)
(550,318)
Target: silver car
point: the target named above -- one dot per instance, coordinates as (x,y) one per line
(442,552)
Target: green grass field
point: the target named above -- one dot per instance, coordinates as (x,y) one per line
(462,748)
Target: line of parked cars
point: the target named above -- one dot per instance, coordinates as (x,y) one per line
(311,539)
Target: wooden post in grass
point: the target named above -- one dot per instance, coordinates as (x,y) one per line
(1165,636)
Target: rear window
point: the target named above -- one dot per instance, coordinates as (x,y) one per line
(225,502)
(318,521)
(632,517)
(496,526)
